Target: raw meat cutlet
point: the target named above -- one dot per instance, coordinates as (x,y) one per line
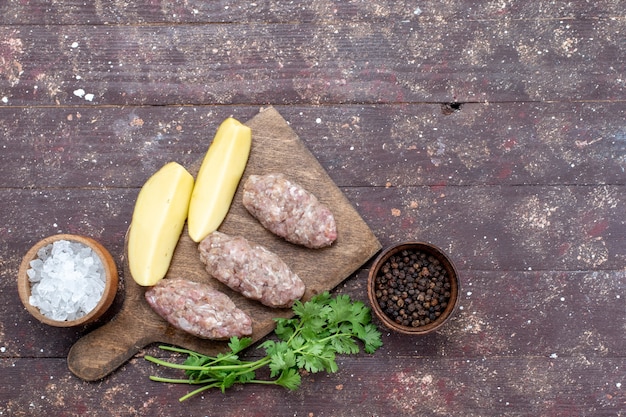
(198,309)
(252,270)
(289,211)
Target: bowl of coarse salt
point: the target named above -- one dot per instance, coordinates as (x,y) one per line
(67,280)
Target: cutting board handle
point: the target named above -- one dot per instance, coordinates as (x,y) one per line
(105,349)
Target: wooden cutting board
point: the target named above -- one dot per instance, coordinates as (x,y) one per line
(275,148)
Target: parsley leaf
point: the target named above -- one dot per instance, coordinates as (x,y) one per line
(236,344)
(290,379)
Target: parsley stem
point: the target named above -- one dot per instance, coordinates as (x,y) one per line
(242,365)
(173,365)
(198,391)
(182,381)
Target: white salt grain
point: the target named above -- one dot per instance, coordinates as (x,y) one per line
(67,279)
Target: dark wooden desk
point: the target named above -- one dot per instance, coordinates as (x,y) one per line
(495,130)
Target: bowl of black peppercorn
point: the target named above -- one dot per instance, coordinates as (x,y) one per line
(413,287)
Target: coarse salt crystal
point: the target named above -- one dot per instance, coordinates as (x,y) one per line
(68,280)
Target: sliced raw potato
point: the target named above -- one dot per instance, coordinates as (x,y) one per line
(218,177)
(158,219)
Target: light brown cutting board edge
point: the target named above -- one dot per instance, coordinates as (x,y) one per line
(276,148)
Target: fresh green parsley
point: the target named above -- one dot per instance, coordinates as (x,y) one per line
(320,329)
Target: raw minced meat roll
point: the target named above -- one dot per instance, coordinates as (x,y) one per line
(289,211)
(198,309)
(250,269)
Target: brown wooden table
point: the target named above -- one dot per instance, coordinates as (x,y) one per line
(495,130)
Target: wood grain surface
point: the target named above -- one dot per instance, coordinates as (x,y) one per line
(276,148)
(494,130)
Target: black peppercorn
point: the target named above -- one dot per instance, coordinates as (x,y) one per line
(412,288)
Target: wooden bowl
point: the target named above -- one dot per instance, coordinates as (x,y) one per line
(414,294)
(110,289)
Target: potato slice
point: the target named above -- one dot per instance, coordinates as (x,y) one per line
(218,178)
(157,223)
